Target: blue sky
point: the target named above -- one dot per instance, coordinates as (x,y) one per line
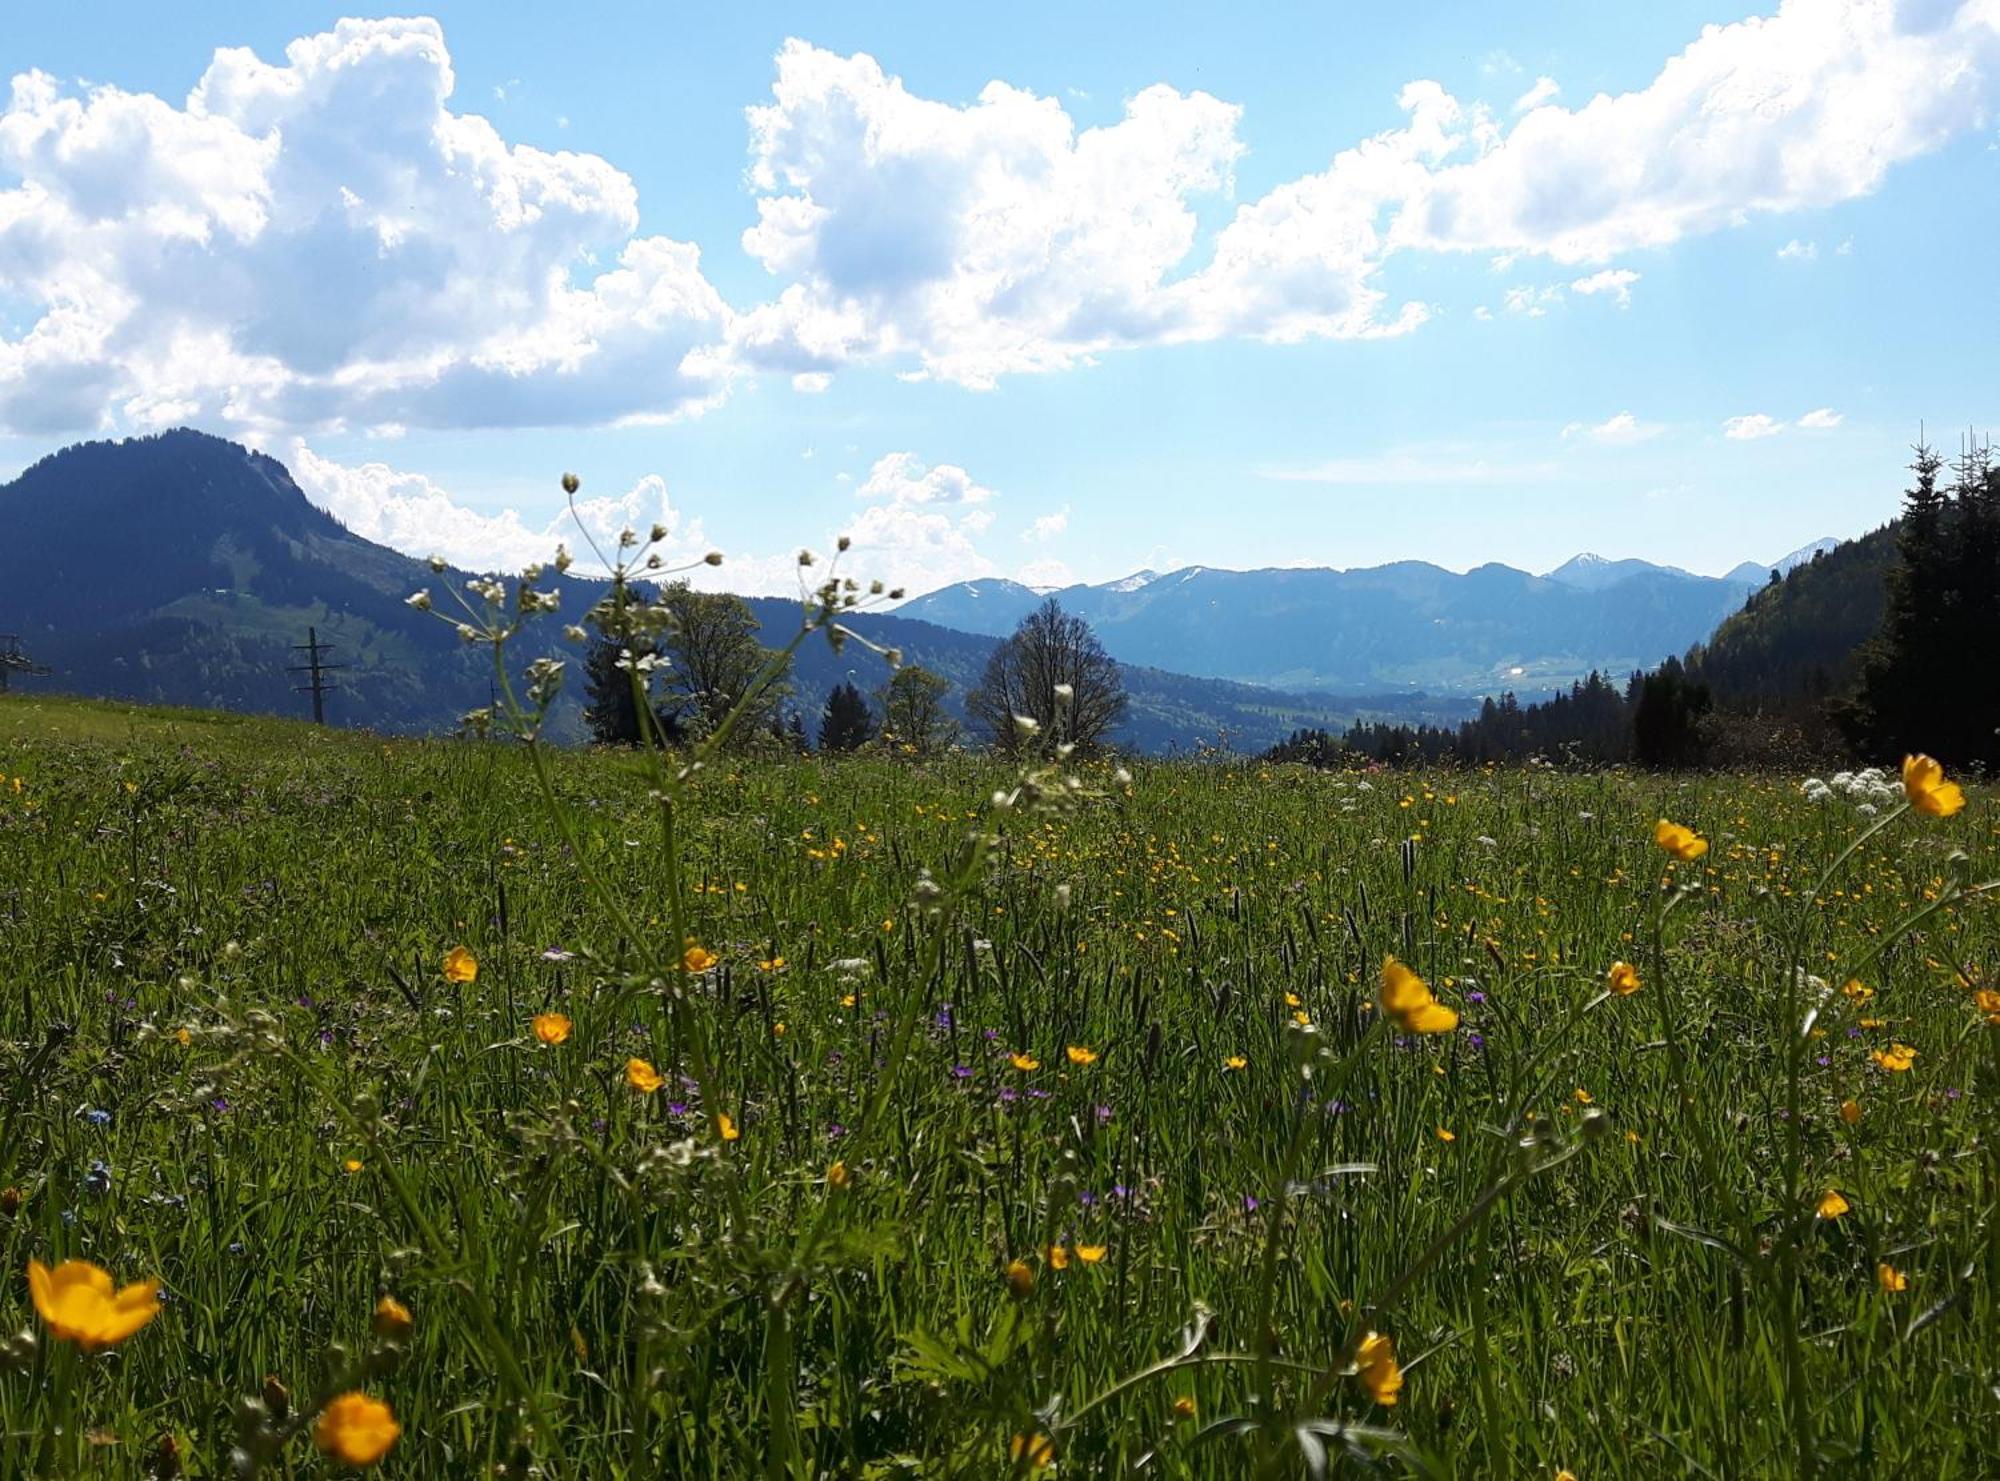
(986,345)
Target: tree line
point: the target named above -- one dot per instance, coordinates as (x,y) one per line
(1049,685)
(1874,650)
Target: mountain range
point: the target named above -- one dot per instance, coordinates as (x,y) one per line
(1405,626)
(182,568)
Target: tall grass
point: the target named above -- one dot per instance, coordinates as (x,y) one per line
(1592,1225)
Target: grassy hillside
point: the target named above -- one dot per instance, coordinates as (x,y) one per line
(183,569)
(952,1157)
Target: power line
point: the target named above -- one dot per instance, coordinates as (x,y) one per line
(318,686)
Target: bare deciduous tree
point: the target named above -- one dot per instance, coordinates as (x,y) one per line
(1055,674)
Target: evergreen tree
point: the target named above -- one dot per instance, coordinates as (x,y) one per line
(609,709)
(847,723)
(1911,695)
(1667,721)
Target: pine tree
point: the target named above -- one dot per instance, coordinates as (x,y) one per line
(1667,721)
(1907,687)
(847,723)
(608,708)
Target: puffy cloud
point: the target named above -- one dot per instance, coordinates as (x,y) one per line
(902,478)
(1823,420)
(996,238)
(1621,430)
(1544,91)
(981,240)
(1750,427)
(1615,281)
(1798,251)
(324,242)
(921,524)
(408,512)
(1047,527)
(1800,109)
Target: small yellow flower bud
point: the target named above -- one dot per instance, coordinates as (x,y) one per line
(392,1320)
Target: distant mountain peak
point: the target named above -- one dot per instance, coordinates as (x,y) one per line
(1590,571)
(1134,581)
(1756,573)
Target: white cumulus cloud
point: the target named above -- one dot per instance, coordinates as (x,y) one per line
(324,242)
(411,513)
(1047,527)
(982,239)
(1614,282)
(1751,426)
(1544,91)
(1823,420)
(1621,430)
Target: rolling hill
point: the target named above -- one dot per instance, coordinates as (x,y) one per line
(181,568)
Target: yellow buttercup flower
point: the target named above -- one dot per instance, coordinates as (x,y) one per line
(1928,791)
(1020,1278)
(1890,1279)
(1036,1452)
(1445,1135)
(1024,1062)
(1408,999)
(1184,1407)
(1850,1112)
(1683,843)
(78,1303)
(698,958)
(1895,1059)
(642,1076)
(1831,1204)
(1623,979)
(836,1175)
(1058,1257)
(356,1429)
(1234,1062)
(1375,1365)
(1080,1055)
(1091,1254)
(725,1127)
(460,966)
(1859,991)
(552,1028)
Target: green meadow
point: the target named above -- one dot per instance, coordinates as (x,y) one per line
(994,1127)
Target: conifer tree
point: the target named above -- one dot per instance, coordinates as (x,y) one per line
(847,723)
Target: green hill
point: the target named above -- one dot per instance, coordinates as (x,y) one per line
(182,568)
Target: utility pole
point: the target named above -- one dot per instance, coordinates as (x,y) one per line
(14,661)
(318,684)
